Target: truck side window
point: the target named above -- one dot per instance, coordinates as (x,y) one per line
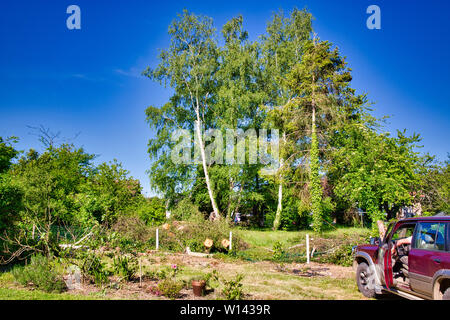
(430,236)
(440,237)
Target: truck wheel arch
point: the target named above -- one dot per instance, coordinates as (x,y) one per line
(441,282)
(361,257)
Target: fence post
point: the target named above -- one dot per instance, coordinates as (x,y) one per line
(140,273)
(307,248)
(231,239)
(157,239)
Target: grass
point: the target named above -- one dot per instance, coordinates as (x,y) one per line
(24,294)
(9,290)
(262,242)
(268,238)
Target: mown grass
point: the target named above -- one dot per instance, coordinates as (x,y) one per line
(24,294)
(267,238)
(261,242)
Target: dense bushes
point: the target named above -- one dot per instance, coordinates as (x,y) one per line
(39,273)
(152,211)
(176,236)
(185,210)
(46,194)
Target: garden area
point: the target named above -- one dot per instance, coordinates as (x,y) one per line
(261,265)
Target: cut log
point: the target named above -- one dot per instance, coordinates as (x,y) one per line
(381,229)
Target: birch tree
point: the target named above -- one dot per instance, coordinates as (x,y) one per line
(189,67)
(282,47)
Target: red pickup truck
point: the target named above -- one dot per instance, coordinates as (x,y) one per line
(413,260)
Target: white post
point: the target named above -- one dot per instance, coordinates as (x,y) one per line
(140,273)
(307,248)
(157,239)
(231,238)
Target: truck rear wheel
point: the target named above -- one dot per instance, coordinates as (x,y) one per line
(365,280)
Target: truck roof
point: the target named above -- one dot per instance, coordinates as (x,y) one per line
(433,218)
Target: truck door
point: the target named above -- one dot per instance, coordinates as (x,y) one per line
(428,255)
(401,230)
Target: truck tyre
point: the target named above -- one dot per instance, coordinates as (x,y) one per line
(365,280)
(446,295)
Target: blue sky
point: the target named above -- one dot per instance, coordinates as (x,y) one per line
(88,80)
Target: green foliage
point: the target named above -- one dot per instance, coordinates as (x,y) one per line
(434,194)
(170,287)
(11,204)
(152,211)
(341,256)
(110,193)
(93,268)
(7,153)
(44,197)
(278,251)
(125,267)
(316,187)
(179,236)
(185,210)
(39,273)
(375,172)
(233,288)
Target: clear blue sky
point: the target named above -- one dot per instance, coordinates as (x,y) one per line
(89,80)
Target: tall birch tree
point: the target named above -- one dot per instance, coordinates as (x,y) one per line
(189,67)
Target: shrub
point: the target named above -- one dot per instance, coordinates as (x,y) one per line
(178,236)
(278,251)
(131,228)
(341,256)
(152,211)
(93,268)
(185,210)
(40,274)
(170,288)
(125,267)
(233,288)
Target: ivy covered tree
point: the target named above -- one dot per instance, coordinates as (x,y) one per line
(323,100)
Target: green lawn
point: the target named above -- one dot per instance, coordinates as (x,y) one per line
(268,238)
(261,242)
(25,294)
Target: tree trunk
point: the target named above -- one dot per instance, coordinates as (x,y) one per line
(316,187)
(205,167)
(276,222)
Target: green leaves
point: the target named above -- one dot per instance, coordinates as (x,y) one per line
(375,171)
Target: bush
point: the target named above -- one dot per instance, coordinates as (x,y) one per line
(93,268)
(177,236)
(170,288)
(40,274)
(152,211)
(185,210)
(278,251)
(233,288)
(341,256)
(125,267)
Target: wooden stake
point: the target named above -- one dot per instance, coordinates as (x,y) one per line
(157,239)
(307,248)
(231,238)
(140,273)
